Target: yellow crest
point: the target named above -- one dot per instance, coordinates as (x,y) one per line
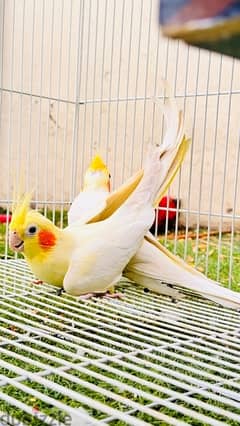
(20,209)
(97,163)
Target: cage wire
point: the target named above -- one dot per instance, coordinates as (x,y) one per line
(79,78)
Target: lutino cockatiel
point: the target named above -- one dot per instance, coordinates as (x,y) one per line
(90,257)
(92,198)
(152,265)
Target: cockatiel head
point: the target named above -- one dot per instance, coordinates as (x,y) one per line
(30,232)
(97,176)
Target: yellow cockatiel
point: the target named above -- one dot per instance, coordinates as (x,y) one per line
(152,265)
(92,199)
(91,257)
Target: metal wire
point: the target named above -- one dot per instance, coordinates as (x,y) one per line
(139,360)
(213,167)
(115,140)
(225,172)
(47,143)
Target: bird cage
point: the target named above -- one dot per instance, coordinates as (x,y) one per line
(80,78)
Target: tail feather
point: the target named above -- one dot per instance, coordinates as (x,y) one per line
(163,161)
(173,148)
(170,153)
(153,284)
(172,170)
(156,262)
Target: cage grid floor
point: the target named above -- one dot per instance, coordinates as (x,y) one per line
(136,361)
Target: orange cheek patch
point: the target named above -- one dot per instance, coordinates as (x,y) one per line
(46,239)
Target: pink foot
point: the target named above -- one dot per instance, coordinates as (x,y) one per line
(37,282)
(114,295)
(86,296)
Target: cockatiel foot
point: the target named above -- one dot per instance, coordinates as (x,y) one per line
(114,295)
(37,282)
(107,294)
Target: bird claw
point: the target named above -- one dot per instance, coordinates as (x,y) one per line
(106,294)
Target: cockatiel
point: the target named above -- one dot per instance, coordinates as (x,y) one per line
(153,265)
(91,257)
(91,199)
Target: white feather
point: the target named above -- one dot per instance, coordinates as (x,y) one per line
(156,263)
(86,205)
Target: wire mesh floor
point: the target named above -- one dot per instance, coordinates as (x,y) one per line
(136,361)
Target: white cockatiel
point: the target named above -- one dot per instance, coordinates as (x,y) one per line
(92,198)
(153,265)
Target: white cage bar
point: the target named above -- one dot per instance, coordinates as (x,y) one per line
(143,360)
(79,77)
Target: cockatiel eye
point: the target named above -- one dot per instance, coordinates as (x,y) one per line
(31,230)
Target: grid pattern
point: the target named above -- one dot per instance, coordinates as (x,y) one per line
(136,361)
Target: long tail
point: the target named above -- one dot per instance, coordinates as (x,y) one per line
(173,148)
(154,265)
(162,161)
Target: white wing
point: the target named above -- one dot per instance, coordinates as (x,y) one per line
(86,205)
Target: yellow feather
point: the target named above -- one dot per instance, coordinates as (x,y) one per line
(173,169)
(97,164)
(22,217)
(117,198)
(97,176)
(20,209)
